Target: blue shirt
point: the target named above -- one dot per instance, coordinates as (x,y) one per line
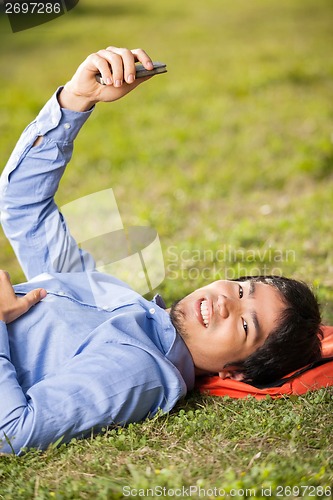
(93,352)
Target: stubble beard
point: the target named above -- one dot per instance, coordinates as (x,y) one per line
(177,317)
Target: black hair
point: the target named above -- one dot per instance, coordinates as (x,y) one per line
(296,340)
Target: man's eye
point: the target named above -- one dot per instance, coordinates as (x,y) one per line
(241,293)
(245,326)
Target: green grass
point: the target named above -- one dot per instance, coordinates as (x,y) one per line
(231,445)
(230,158)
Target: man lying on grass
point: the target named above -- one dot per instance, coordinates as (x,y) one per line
(92,352)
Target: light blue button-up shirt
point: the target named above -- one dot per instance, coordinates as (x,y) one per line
(93,352)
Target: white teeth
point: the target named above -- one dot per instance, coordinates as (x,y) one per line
(204,312)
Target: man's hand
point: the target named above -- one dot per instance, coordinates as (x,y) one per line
(11,306)
(117,67)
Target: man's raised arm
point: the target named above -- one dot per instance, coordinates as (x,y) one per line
(29,215)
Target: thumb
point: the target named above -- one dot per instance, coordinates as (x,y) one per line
(33,297)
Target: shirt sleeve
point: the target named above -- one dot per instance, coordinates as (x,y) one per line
(30,218)
(75,400)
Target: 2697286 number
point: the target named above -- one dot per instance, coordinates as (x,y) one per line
(32,8)
(301,491)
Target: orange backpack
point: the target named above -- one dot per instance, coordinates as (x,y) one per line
(315,376)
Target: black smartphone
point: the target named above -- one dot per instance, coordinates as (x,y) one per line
(141,71)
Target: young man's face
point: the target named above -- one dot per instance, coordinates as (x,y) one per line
(226,321)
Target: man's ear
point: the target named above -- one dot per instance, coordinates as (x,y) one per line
(232,374)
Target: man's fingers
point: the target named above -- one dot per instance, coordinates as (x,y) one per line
(4,276)
(31,299)
(117,66)
(13,306)
(122,62)
(129,57)
(142,56)
(103,67)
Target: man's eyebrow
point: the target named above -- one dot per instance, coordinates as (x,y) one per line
(252,290)
(257,326)
(254,315)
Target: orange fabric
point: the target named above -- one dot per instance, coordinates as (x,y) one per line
(315,378)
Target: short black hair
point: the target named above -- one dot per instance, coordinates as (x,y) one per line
(294,343)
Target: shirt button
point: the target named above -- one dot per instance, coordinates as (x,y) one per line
(152,310)
(67,126)
(61,293)
(105,308)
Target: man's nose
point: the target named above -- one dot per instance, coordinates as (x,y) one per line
(225,305)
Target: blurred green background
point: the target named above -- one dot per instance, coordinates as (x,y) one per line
(229,156)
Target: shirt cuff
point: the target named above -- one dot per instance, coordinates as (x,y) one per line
(59,124)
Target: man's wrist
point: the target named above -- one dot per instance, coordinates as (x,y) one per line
(69,100)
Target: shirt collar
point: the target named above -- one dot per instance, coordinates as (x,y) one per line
(158,299)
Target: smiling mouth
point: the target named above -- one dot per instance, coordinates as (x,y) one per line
(204,312)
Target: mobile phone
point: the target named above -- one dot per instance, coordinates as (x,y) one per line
(141,71)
